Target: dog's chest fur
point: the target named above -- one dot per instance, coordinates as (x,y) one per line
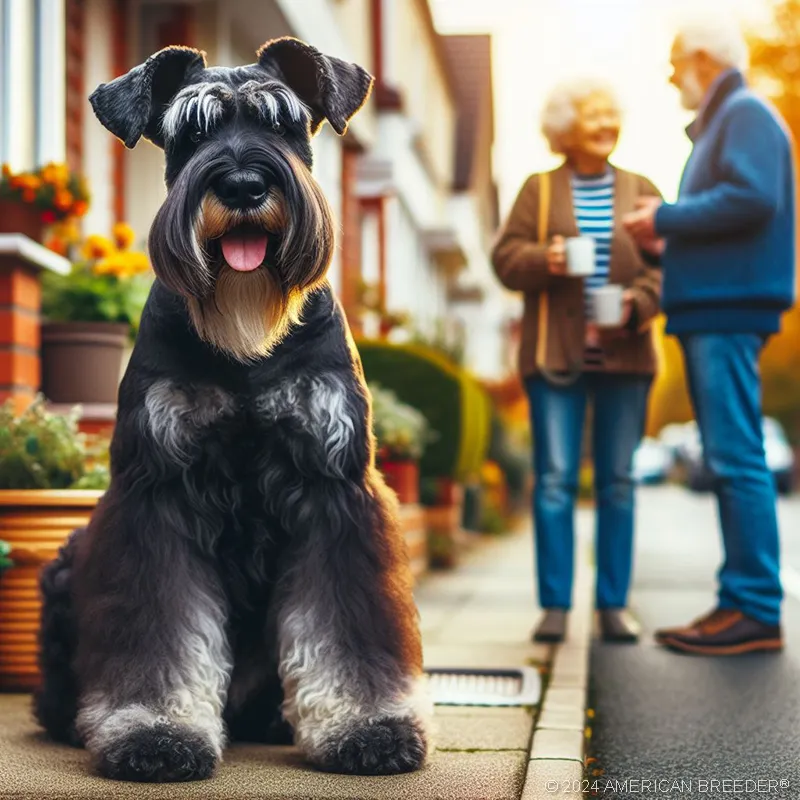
(242,441)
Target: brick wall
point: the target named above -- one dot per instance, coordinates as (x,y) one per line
(20,298)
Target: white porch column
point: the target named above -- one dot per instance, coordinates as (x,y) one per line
(50,84)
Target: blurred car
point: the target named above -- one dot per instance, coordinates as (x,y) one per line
(778,452)
(652,462)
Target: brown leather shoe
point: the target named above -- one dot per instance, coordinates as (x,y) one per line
(617,625)
(723,632)
(552,627)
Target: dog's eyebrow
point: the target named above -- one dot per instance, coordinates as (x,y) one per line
(201,104)
(270,99)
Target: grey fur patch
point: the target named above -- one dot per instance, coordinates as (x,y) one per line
(196,686)
(177,416)
(320,405)
(324,697)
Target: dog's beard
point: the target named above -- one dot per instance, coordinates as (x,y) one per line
(247,315)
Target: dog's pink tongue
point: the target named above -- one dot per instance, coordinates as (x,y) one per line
(244,252)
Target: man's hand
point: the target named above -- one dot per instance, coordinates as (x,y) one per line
(641,224)
(655,247)
(557,256)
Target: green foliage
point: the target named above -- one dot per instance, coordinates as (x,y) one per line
(456,407)
(85,296)
(401,431)
(5,562)
(40,450)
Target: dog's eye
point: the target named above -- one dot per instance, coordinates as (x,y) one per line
(277,128)
(196,135)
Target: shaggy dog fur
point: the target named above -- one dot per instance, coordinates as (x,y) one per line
(243,576)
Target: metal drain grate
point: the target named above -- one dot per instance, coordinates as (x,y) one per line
(520,686)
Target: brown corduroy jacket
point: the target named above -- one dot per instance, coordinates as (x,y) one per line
(520,263)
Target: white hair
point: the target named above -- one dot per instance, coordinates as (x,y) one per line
(722,39)
(560,110)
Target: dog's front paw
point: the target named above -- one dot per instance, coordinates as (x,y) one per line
(380,747)
(158,754)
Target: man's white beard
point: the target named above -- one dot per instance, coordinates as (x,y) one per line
(691,91)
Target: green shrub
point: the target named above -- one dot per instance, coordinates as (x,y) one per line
(40,450)
(457,408)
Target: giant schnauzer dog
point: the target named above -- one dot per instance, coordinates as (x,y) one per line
(244,575)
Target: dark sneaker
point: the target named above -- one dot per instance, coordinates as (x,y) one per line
(723,632)
(617,625)
(552,628)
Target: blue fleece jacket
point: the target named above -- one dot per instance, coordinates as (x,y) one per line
(730,256)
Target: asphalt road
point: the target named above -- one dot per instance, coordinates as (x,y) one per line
(671,724)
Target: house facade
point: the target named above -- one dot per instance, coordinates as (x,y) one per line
(410,184)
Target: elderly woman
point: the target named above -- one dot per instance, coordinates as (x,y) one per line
(568,360)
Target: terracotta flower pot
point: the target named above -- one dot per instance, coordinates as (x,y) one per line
(403,477)
(81,361)
(16,217)
(35,523)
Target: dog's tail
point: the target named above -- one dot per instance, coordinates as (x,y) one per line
(55,702)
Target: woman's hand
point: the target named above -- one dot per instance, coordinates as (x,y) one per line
(557,256)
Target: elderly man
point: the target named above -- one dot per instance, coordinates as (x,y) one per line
(728,265)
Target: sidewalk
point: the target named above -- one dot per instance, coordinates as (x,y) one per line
(480,615)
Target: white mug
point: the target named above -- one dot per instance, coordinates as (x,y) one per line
(608,305)
(580,256)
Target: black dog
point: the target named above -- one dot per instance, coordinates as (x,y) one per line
(245,560)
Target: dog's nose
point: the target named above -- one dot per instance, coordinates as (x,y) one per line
(241,189)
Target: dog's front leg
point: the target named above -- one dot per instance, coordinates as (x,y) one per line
(153,659)
(350,651)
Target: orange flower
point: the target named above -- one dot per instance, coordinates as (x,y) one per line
(57,245)
(80,208)
(123,235)
(29,195)
(63,200)
(6,171)
(96,247)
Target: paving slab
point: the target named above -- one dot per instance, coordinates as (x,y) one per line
(548,780)
(483,728)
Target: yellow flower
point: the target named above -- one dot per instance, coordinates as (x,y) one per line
(138,262)
(123,235)
(110,265)
(97,246)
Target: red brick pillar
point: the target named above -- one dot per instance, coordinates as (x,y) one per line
(21,260)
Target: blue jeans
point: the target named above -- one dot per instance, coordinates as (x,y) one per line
(557,415)
(724,381)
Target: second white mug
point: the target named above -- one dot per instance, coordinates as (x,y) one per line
(608,305)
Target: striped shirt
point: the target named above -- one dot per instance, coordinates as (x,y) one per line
(593,200)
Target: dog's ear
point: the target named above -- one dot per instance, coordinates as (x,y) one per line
(331,88)
(132,105)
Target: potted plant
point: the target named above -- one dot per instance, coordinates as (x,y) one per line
(30,201)
(91,314)
(51,478)
(402,433)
